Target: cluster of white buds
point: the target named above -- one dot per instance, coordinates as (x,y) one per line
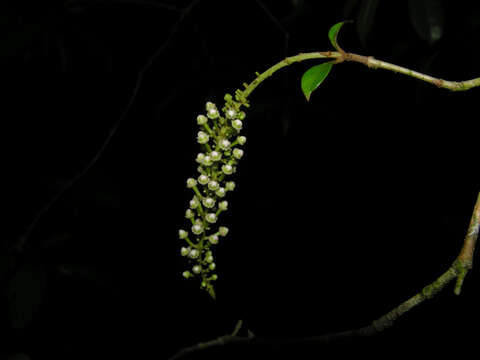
(220,140)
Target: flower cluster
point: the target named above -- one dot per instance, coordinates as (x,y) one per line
(220,141)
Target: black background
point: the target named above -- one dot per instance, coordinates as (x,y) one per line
(345,206)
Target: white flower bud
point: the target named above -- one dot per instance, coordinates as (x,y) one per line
(202,137)
(237,124)
(223,231)
(189,214)
(215,155)
(186,274)
(208,202)
(184,251)
(220,192)
(210,106)
(207,160)
(193,254)
(203,179)
(230,113)
(213,239)
(211,218)
(194,203)
(212,266)
(212,113)
(230,185)
(242,140)
(182,234)
(209,259)
(224,144)
(227,169)
(197,229)
(191,182)
(213,185)
(197,269)
(201,119)
(223,205)
(200,158)
(238,153)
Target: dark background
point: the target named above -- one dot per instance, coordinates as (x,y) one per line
(345,206)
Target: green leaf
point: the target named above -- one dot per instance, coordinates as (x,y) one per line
(333,33)
(25,294)
(313,77)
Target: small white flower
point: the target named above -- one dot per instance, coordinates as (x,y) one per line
(202,137)
(197,228)
(212,266)
(220,192)
(208,202)
(194,203)
(189,214)
(197,269)
(223,231)
(182,234)
(223,205)
(237,124)
(203,179)
(238,153)
(193,254)
(191,182)
(201,119)
(211,218)
(213,185)
(242,140)
(184,251)
(213,239)
(200,158)
(227,169)
(231,113)
(186,274)
(230,185)
(212,113)
(224,144)
(215,155)
(207,160)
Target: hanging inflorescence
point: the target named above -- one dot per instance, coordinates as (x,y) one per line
(220,141)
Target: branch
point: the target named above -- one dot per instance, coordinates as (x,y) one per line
(457,270)
(366,60)
(66,186)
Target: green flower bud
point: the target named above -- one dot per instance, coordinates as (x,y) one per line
(230,186)
(213,185)
(187,274)
(209,259)
(230,113)
(191,182)
(238,153)
(213,239)
(215,155)
(197,228)
(189,214)
(214,277)
(208,202)
(193,254)
(194,203)
(223,231)
(184,251)
(224,144)
(182,234)
(202,137)
(211,218)
(203,179)
(237,124)
(197,269)
(212,266)
(242,140)
(202,120)
(223,205)
(220,192)
(227,169)
(200,158)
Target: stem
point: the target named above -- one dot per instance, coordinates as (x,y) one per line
(366,60)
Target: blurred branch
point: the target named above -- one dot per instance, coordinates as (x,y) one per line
(457,270)
(19,245)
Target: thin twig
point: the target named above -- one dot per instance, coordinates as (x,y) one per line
(141,74)
(458,269)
